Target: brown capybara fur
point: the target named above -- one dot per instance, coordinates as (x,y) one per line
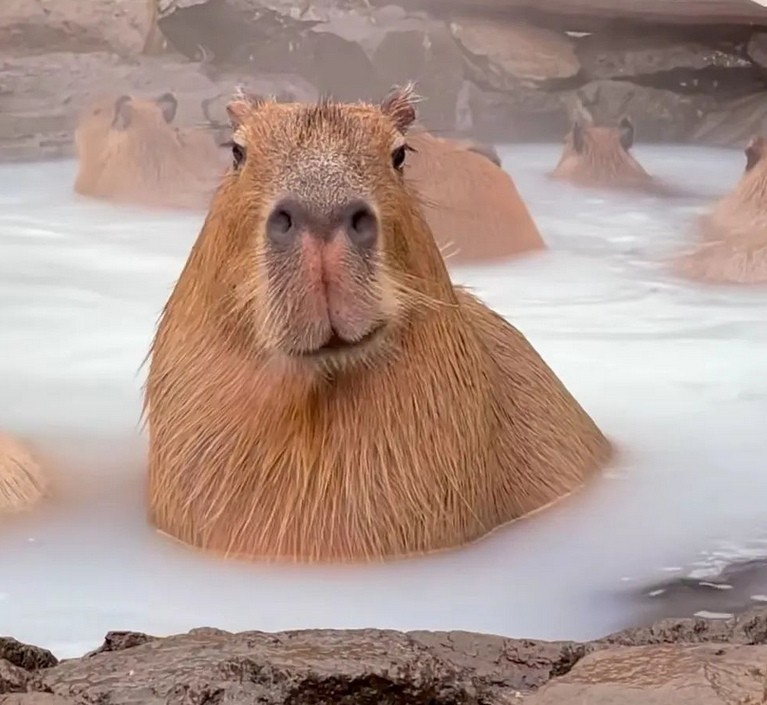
(130,152)
(471,204)
(318,389)
(597,156)
(733,237)
(21,480)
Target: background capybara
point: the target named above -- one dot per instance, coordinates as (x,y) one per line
(21,479)
(598,156)
(129,151)
(473,207)
(319,390)
(733,246)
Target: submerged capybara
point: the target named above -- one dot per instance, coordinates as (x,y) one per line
(21,479)
(318,389)
(472,206)
(599,156)
(130,152)
(733,237)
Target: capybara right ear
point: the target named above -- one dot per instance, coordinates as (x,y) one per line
(578,136)
(399,105)
(753,152)
(241,106)
(168,104)
(123,112)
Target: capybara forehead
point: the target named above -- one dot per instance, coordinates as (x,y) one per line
(325,128)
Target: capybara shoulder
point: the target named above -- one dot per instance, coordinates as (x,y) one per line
(471,204)
(129,151)
(319,390)
(22,483)
(732,238)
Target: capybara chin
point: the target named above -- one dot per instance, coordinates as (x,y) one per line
(733,238)
(21,480)
(599,156)
(471,205)
(318,389)
(130,152)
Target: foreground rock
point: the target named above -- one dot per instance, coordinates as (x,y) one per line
(674,662)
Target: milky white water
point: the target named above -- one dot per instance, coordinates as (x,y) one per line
(675,374)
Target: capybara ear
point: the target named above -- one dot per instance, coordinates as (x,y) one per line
(123,112)
(753,152)
(241,106)
(578,136)
(487,151)
(399,105)
(168,104)
(626,129)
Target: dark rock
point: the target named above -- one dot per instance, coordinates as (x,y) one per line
(119,641)
(30,658)
(12,678)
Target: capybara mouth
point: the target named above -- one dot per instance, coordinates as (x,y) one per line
(337,344)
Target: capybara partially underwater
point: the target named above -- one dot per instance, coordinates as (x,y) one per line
(21,480)
(598,156)
(130,152)
(318,389)
(472,206)
(733,238)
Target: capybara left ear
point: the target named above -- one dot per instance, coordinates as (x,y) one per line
(626,129)
(241,106)
(123,112)
(168,104)
(399,105)
(578,136)
(753,152)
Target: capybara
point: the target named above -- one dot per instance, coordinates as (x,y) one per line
(318,388)
(130,152)
(21,479)
(472,205)
(733,238)
(599,156)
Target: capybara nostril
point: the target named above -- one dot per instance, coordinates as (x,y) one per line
(285,222)
(360,224)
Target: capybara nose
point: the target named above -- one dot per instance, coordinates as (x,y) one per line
(360,224)
(290,218)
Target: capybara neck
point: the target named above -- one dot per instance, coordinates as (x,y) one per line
(130,152)
(471,204)
(732,238)
(318,389)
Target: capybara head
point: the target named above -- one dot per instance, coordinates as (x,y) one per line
(599,156)
(733,236)
(129,150)
(314,214)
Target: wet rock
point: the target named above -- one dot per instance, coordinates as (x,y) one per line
(662,675)
(12,678)
(121,26)
(747,628)
(34,699)
(632,52)
(514,51)
(659,115)
(757,48)
(21,655)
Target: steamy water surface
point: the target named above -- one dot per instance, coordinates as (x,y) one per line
(673,373)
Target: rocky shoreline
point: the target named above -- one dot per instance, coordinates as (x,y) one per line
(675,661)
(684,70)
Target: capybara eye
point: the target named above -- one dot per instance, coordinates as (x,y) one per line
(281,222)
(398,157)
(238,152)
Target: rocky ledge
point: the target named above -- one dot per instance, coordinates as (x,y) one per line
(673,662)
(503,70)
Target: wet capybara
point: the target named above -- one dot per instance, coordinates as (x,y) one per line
(599,157)
(733,238)
(472,206)
(318,389)
(130,152)
(21,479)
